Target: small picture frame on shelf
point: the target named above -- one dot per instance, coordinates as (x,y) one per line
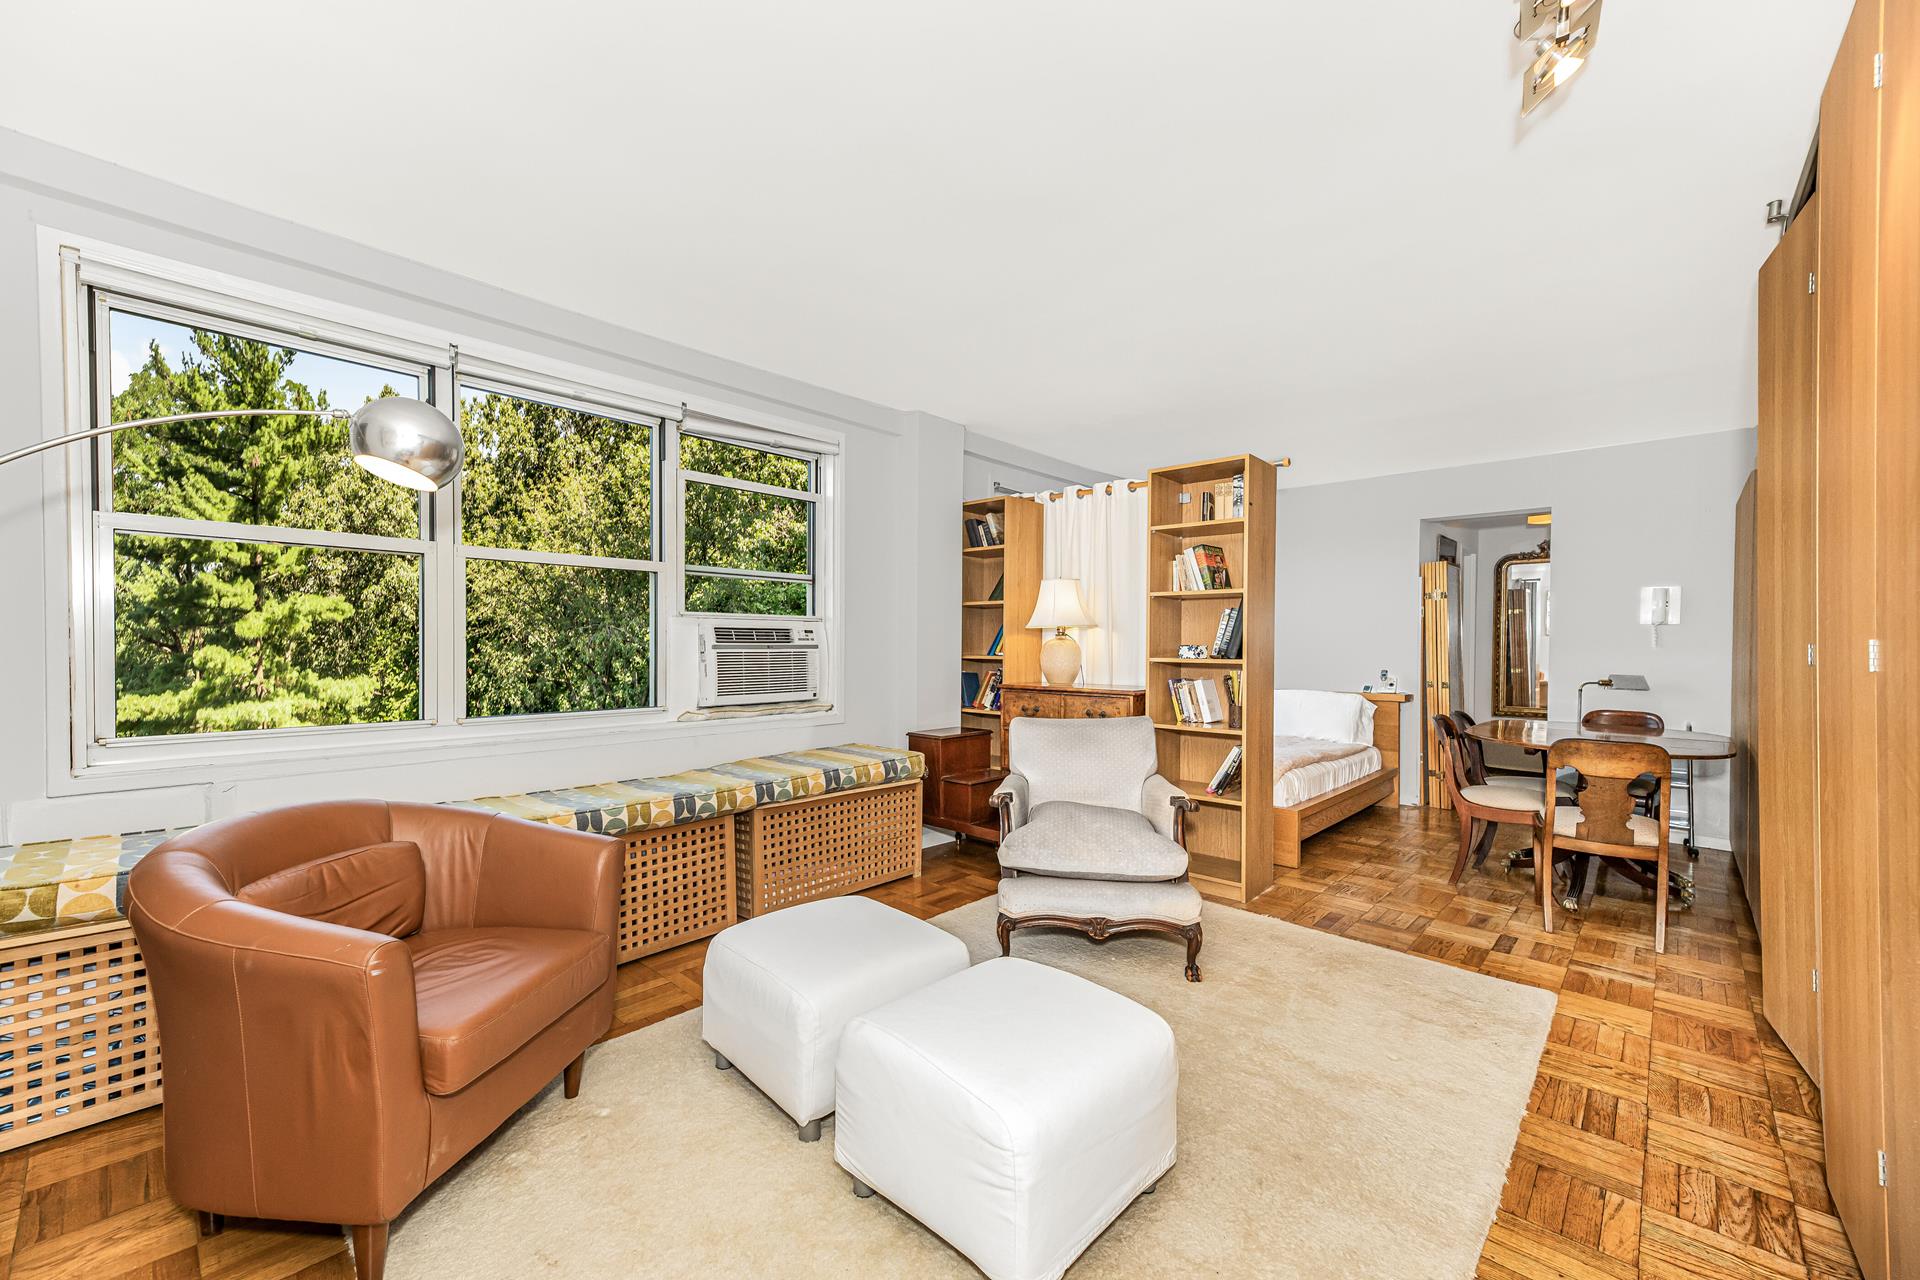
(1193,651)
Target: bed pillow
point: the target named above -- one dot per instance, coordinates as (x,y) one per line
(1316,713)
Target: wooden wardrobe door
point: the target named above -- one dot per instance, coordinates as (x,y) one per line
(1899,573)
(1851,1013)
(1784,628)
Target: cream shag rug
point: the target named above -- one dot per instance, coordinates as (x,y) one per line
(1345,1111)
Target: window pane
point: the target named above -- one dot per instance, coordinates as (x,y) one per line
(740,529)
(706,594)
(293,472)
(543,478)
(738,462)
(217,636)
(549,637)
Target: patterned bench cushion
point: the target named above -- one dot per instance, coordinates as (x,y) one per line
(645,804)
(58,884)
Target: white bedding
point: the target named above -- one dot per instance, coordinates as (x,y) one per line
(1304,782)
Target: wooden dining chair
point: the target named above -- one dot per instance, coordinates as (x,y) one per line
(1477,754)
(1645,791)
(1602,821)
(1480,804)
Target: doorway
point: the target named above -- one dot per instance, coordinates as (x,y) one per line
(1486,584)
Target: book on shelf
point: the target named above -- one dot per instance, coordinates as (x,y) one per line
(1239,506)
(1227,638)
(970,688)
(1202,567)
(999,591)
(1227,776)
(1236,698)
(1197,702)
(990,692)
(1206,505)
(999,638)
(985,530)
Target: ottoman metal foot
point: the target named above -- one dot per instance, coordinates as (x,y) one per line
(810,1131)
(720,1062)
(1150,1190)
(862,1190)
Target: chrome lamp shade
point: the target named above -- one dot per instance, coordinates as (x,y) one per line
(406,442)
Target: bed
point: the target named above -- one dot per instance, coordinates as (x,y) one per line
(1334,754)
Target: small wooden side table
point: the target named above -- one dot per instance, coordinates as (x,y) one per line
(959,780)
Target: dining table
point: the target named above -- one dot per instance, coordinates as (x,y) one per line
(1686,748)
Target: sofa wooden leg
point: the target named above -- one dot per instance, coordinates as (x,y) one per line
(1004,928)
(370,1251)
(1192,934)
(572,1076)
(211,1224)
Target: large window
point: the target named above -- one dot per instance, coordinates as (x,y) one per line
(257,579)
(240,576)
(557,535)
(748,515)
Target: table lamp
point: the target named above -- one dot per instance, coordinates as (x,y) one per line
(1631,684)
(1060,606)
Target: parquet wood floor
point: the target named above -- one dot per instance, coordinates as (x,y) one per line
(1670,1135)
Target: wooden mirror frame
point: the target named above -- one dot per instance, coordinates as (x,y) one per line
(1543,554)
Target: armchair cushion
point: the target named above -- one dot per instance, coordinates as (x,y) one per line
(1090,762)
(483,993)
(1091,842)
(381,888)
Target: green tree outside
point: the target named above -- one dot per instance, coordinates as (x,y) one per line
(214,635)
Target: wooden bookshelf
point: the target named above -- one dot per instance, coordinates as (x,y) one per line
(1017,560)
(1230,837)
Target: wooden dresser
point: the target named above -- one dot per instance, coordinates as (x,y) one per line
(1069,702)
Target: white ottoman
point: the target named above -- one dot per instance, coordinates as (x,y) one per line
(777,991)
(1013,1109)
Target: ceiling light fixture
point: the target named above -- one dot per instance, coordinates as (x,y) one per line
(1561,53)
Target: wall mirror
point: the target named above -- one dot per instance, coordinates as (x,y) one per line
(1522,623)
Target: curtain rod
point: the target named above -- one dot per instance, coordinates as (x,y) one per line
(1133,486)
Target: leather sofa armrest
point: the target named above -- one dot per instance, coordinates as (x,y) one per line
(538,876)
(1010,800)
(1166,807)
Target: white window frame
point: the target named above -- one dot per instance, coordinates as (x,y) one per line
(80,680)
(494,379)
(105,520)
(750,438)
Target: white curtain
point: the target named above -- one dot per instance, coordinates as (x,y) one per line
(1102,541)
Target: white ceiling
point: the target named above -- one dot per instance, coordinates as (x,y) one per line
(1118,232)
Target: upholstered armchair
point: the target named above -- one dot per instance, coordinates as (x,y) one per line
(1092,838)
(352,995)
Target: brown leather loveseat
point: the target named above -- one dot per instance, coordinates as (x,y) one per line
(351,995)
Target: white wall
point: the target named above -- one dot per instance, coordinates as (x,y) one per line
(990,462)
(1625,517)
(901,476)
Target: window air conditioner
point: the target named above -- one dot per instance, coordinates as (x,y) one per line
(745,661)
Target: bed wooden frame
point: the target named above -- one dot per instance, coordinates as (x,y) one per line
(1294,823)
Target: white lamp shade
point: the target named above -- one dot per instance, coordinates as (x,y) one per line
(1060,605)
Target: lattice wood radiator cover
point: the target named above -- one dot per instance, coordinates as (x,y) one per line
(677,886)
(824,846)
(78,1039)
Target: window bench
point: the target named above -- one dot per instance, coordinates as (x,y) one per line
(704,848)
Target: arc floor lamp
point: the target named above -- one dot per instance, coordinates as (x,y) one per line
(405,442)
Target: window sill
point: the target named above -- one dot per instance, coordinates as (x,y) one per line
(121,766)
